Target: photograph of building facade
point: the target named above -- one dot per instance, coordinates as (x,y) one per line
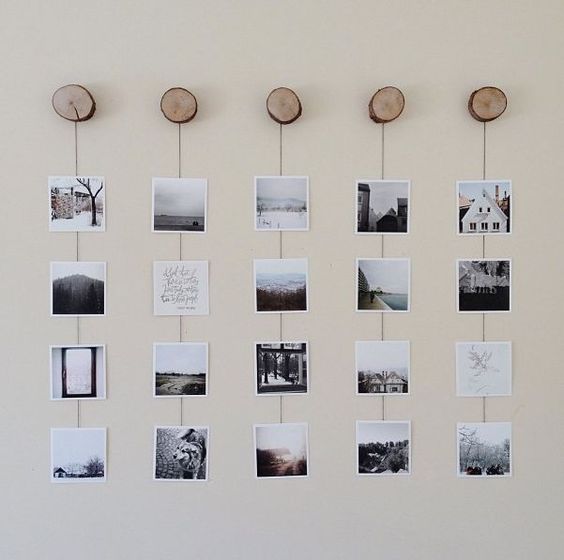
(484,207)
(281,367)
(382,367)
(382,206)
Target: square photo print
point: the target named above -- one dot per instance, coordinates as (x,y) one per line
(181,453)
(281,450)
(483,369)
(281,203)
(78,372)
(484,449)
(383,447)
(281,368)
(78,288)
(484,207)
(382,206)
(179,205)
(180,369)
(76,204)
(281,285)
(78,455)
(484,286)
(180,288)
(383,285)
(382,367)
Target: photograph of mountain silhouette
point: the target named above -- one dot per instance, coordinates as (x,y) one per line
(78,288)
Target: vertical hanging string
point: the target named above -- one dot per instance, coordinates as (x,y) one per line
(77,259)
(280,253)
(382,255)
(483,257)
(180,399)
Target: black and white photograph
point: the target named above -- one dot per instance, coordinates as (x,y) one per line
(78,288)
(77,204)
(78,455)
(484,286)
(180,369)
(382,206)
(281,368)
(281,203)
(483,369)
(484,207)
(382,367)
(484,449)
(383,447)
(281,285)
(179,205)
(281,450)
(180,288)
(181,453)
(383,285)
(78,372)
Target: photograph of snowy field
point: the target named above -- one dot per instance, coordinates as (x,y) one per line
(382,367)
(383,285)
(282,203)
(483,369)
(78,288)
(384,447)
(281,450)
(484,449)
(281,368)
(78,372)
(76,204)
(382,206)
(78,455)
(180,369)
(280,285)
(179,205)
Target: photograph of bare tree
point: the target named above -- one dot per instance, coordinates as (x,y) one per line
(281,368)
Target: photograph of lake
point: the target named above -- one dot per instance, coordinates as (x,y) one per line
(179,205)
(383,284)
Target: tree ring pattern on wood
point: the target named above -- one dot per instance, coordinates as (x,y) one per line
(74,103)
(283,105)
(487,103)
(179,105)
(386,104)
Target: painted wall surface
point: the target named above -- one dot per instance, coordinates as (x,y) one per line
(230,55)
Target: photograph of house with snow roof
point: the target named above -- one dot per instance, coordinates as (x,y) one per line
(382,206)
(484,286)
(484,207)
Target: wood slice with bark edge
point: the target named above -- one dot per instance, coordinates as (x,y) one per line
(283,105)
(74,103)
(179,105)
(386,104)
(487,103)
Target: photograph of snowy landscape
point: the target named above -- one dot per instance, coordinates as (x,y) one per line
(383,447)
(180,369)
(78,288)
(281,368)
(382,367)
(179,205)
(281,450)
(484,449)
(383,285)
(78,455)
(76,204)
(282,203)
(382,206)
(280,285)
(483,369)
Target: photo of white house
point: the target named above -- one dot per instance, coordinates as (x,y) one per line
(484,207)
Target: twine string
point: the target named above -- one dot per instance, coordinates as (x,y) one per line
(483,257)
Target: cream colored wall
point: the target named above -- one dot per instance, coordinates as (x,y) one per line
(231,54)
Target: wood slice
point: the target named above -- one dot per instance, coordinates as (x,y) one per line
(179,105)
(283,105)
(487,103)
(386,104)
(74,103)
